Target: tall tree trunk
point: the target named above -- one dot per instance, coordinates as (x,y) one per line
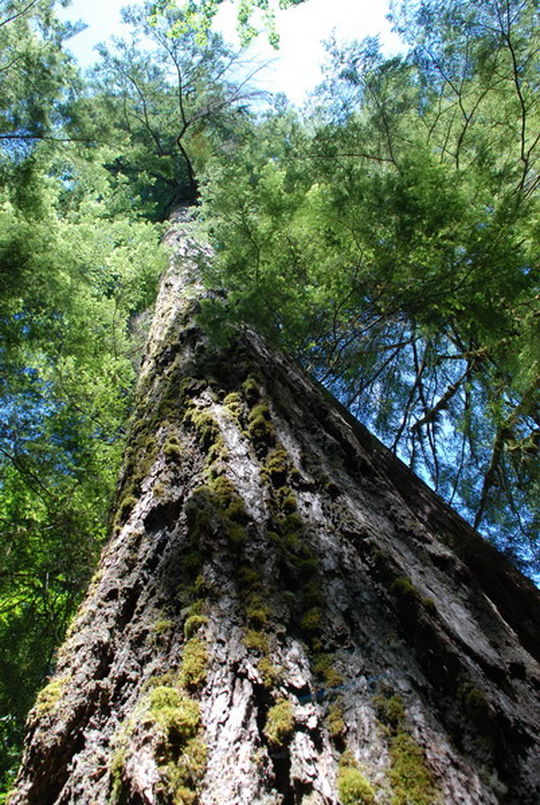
(283,613)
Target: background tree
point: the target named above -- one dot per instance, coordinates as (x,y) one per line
(72,275)
(73,285)
(32,71)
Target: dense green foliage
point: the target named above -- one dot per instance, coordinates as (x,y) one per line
(388,238)
(391,243)
(72,279)
(163,101)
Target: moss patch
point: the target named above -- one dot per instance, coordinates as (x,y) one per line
(204,424)
(182,754)
(311,622)
(276,467)
(234,404)
(279,722)
(353,787)
(217,508)
(270,674)
(411,779)
(403,588)
(184,774)
(178,715)
(194,664)
(248,576)
(49,696)
(117,765)
(260,427)
(162,626)
(257,612)
(324,669)
(193,624)
(174,719)
(200,510)
(172,450)
(286,500)
(335,722)
(390,710)
(251,390)
(138,461)
(256,641)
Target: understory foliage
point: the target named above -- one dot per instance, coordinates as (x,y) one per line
(388,238)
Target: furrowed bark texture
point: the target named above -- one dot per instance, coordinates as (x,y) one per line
(284,613)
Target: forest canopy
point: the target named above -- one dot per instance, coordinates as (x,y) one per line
(386,236)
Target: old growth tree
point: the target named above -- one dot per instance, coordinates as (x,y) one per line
(283,612)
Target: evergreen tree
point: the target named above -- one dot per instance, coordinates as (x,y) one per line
(388,243)
(283,613)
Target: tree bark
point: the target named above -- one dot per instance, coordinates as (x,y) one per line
(284,613)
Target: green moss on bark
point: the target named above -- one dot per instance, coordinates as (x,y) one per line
(410,776)
(193,623)
(353,787)
(234,404)
(279,722)
(270,673)
(49,696)
(335,723)
(276,467)
(204,424)
(411,779)
(255,640)
(174,720)
(260,427)
(179,716)
(194,664)
(251,390)
(323,665)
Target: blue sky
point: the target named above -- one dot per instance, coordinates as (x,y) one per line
(295,68)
